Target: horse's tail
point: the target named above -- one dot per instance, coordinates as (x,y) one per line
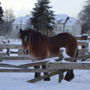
(76,54)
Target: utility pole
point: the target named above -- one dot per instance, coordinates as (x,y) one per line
(65,23)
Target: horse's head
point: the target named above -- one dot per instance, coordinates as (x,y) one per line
(24,34)
(34,41)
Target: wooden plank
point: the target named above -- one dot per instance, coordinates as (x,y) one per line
(20,52)
(2,54)
(81,52)
(83,57)
(42,77)
(8,65)
(71,59)
(23,65)
(11,46)
(33,64)
(12,52)
(26,57)
(27,70)
(61,76)
(68,65)
(81,43)
(78,38)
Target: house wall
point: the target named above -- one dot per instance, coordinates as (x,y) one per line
(16,27)
(74,29)
(69,29)
(15,30)
(77,29)
(58,28)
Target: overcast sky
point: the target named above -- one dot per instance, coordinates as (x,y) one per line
(23,7)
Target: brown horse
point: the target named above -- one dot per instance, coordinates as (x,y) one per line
(41,47)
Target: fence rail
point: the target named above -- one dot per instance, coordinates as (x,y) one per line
(68,65)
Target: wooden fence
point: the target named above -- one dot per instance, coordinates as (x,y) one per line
(52,67)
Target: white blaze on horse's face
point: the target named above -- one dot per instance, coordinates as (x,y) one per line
(25,38)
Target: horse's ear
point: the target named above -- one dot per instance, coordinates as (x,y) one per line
(20,30)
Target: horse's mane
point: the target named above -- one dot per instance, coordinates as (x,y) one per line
(38,41)
(36,38)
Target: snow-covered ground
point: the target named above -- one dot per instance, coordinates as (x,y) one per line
(18,81)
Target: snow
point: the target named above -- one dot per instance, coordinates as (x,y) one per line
(17,81)
(63,51)
(61,18)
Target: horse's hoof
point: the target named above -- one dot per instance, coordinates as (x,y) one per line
(46,79)
(69,76)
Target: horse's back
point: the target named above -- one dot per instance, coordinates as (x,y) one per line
(63,40)
(71,44)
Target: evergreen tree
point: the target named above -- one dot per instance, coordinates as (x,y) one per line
(42,16)
(84,17)
(1,14)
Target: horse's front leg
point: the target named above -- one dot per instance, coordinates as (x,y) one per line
(37,74)
(45,73)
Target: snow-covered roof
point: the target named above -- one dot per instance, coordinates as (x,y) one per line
(21,20)
(62,18)
(58,18)
(71,21)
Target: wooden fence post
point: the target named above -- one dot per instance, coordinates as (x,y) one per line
(61,57)
(84,47)
(20,51)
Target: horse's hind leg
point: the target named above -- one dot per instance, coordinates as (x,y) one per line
(73,52)
(45,73)
(37,74)
(69,75)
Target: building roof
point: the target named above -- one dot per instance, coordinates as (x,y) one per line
(58,18)
(21,20)
(71,21)
(62,18)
